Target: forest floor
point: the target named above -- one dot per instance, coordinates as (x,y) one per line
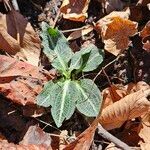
(120,28)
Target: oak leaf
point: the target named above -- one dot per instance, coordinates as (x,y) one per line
(115,30)
(18,38)
(75,10)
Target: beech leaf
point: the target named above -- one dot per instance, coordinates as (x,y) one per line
(129,107)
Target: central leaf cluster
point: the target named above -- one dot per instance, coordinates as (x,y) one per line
(65,95)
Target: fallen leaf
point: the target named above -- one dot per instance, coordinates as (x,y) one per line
(79,33)
(21,82)
(4,145)
(143,2)
(18,38)
(112,94)
(84,140)
(35,135)
(75,10)
(109,5)
(129,107)
(115,30)
(116,92)
(145,34)
(145,132)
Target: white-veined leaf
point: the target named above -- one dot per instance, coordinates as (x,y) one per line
(56,47)
(45,98)
(64,104)
(89,98)
(87,59)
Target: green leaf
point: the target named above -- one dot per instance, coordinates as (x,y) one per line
(64,104)
(89,99)
(56,47)
(45,98)
(87,59)
(79,58)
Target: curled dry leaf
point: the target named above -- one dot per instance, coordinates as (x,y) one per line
(116,92)
(79,33)
(21,82)
(145,34)
(75,10)
(18,38)
(145,132)
(84,140)
(115,30)
(129,107)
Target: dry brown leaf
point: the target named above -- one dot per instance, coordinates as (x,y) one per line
(84,140)
(116,92)
(4,145)
(112,94)
(35,135)
(145,132)
(143,2)
(145,34)
(75,10)
(115,30)
(129,107)
(79,33)
(17,37)
(110,5)
(21,82)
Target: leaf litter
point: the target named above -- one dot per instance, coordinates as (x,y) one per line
(23,72)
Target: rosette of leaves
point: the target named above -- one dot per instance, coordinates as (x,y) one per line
(69,93)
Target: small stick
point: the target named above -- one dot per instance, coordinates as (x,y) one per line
(15,5)
(71,30)
(56,18)
(105,134)
(106,76)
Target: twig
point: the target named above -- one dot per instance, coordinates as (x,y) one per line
(104,68)
(71,30)
(47,124)
(7,5)
(15,5)
(106,76)
(56,18)
(105,134)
